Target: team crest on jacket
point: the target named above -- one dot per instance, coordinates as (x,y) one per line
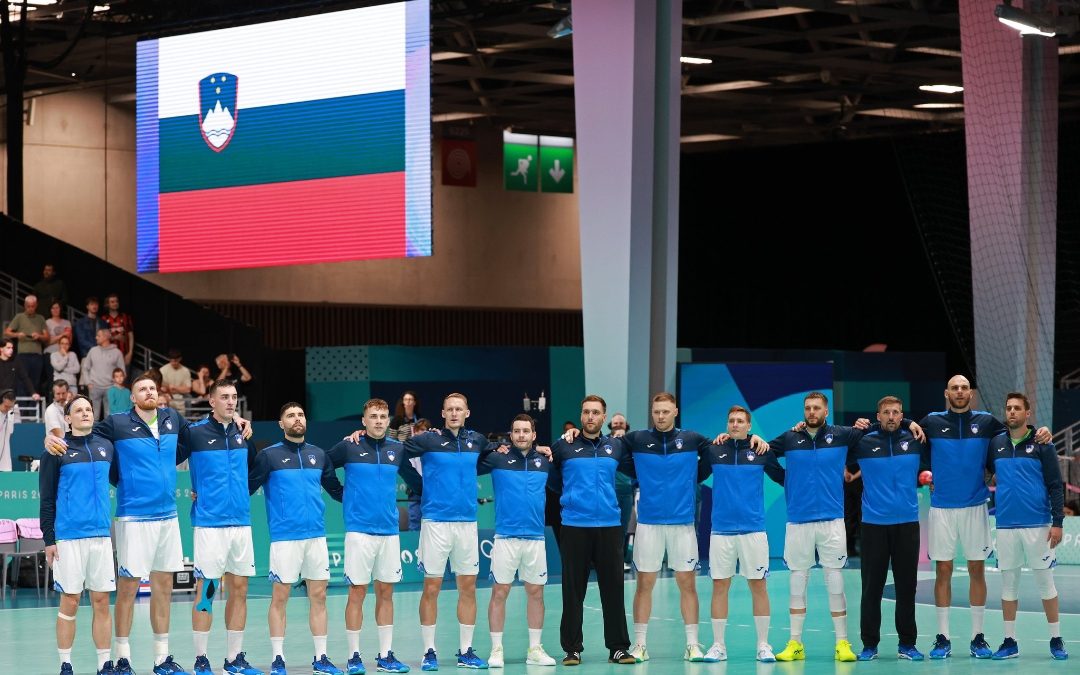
(468,444)
(828,438)
(168,424)
(678,444)
(750,455)
(239,438)
(101,451)
(537,462)
(974,428)
(311,460)
(217,109)
(390,455)
(607,449)
(903,445)
(1029,449)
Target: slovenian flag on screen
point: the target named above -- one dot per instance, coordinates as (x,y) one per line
(290,142)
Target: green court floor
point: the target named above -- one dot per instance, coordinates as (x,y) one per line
(27,630)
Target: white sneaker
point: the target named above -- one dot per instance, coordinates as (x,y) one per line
(535,657)
(693,653)
(639,652)
(716,653)
(496,658)
(765,655)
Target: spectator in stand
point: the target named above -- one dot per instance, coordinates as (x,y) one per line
(200,384)
(121,326)
(9,417)
(86,328)
(406,414)
(415,514)
(28,327)
(12,374)
(54,414)
(119,396)
(65,365)
(50,289)
(57,326)
(230,368)
(97,371)
(175,380)
(568,425)
(624,492)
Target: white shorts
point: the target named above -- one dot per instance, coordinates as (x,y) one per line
(291,561)
(145,546)
(828,538)
(1025,545)
(678,541)
(968,526)
(441,541)
(750,550)
(223,550)
(370,556)
(84,564)
(526,557)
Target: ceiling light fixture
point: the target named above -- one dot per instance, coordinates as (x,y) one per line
(1041,23)
(694,60)
(941,88)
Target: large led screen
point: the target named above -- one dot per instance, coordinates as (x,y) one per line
(290,142)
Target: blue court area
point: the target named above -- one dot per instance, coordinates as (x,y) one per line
(27,626)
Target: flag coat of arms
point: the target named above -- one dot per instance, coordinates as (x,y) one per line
(297,141)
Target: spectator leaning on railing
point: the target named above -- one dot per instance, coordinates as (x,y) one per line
(9,417)
(28,327)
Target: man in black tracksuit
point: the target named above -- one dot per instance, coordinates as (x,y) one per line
(890,459)
(584,472)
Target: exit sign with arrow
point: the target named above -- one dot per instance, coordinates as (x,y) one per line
(556,164)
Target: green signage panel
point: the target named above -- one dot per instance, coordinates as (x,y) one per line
(520,162)
(556,169)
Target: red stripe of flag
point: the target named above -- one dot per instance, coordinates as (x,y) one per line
(345,218)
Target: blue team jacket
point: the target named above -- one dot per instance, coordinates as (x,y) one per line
(890,466)
(371,470)
(814,482)
(293,475)
(666,464)
(520,483)
(449,464)
(958,445)
(1030,492)
(738,485)
(219,462)
(584,472)
(144,470)
(74,490)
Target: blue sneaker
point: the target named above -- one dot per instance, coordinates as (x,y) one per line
(430,662)
(470,660)
(867,654)
(1057,649)
(979,648)
(909,652)
(240,666)
(322,666)
(355,665)
(202,666)
(942,648)
(169,667)
(123,667)
(278,666)
(65,669)
(390,664)
(1008,650)
(107,669)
